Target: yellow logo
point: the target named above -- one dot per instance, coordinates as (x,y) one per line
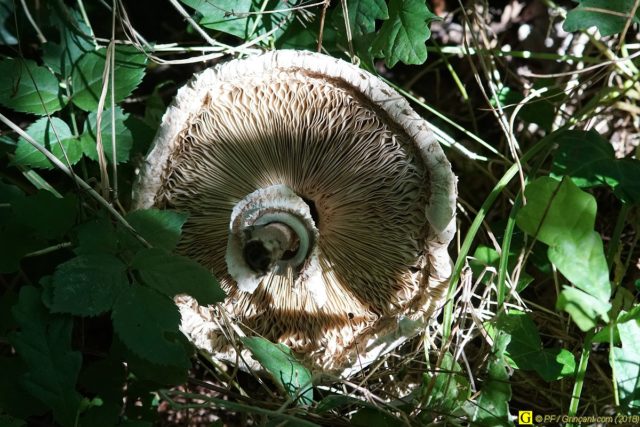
(525,418)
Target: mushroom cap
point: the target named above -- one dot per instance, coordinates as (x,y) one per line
(344,167)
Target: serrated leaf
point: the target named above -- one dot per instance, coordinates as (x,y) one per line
(88,285)
(29,88)
(124,139)
(402,37)
(75,40)
(87,76)
(44,343)
(526,351)
(160,228)
(50,216)
(148,324)
(287,372)
(173,274)
(563,216)
(607,15)
(493,404)
(590,161)
(53,134)
(626,365)
(96,236)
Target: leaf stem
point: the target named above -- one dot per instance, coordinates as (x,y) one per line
(580,374)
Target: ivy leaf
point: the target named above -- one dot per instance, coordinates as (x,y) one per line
(590,161)
(493,404)
(287,372)
(175,274)
(609,16)
(88,285)
(562,216)
(29,88)
(626,365)
(60,213)
(124,139)
(526,351)
(148,324)
(160,228)
(451,388)
(402,37)
(87,79)
(53,134)
(44,343)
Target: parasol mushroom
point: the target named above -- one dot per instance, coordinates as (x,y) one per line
(315,194)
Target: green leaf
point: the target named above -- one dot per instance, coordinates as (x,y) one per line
(562,216)
(526,351)
(603,14)
(493,404)
(402,37)
(583,308)
(29,88)
(88,285)
(50,216)
(87,76)
(363,14)
(626,365)
(590,161)
(148,324)
(374,417)
(15,400)
(175,274)
(54,135)
(160,228)
(75,40)
(124,139)
(450,390)
(287,372)
(44,343)
(96,236)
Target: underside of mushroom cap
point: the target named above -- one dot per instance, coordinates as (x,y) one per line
(323,153)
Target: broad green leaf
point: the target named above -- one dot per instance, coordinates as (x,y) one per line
(493,404)
(485,258)
(583,263)
(88,285)
(557,211)
(526,351)
(626,365)
(375,417)
(173,274)
(148,324)
(563,216)
(287,372)
(607,15)
(160,228)
(590,161)
(124,139)
(87,76)
(363,14)
(29,88)
(44,343)
(50,216)
(583,308)
(96,236)
(450,389)
(245,19)
(335,401)
(75,40)
(55,136)
(6,20)
(402,37)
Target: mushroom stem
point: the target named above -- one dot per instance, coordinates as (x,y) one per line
(268,244)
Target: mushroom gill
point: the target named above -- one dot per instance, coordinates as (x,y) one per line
(315,194)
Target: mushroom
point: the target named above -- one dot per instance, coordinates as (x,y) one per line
(315,194)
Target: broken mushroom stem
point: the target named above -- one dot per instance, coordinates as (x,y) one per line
(268,244)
